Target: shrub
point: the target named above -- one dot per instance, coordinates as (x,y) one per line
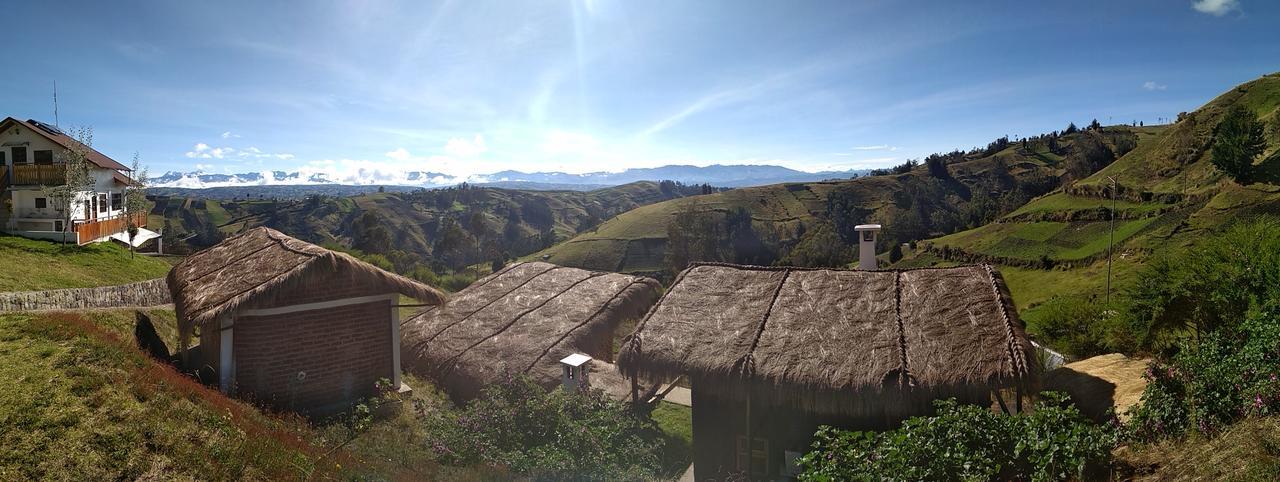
(1209,287)
(556,435)
(1080,327)
(1238,140)
(1214,382)
(966,442)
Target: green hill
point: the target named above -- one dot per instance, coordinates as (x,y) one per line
(42,265)
(1168,194)
(946,193)
(443,228)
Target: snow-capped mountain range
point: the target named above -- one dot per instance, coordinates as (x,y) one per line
(739,175)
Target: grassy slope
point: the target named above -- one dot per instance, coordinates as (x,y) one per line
(635,241)
(1248,450)
(79,402)
(1145,226)
(76,402)
(40,265)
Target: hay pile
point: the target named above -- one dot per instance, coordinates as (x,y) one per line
(1101,383)
(862,343)
(523,319)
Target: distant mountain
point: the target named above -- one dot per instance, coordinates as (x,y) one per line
(738,175)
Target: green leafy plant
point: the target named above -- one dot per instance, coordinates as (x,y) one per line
(555,435)
(967,442)
(1238,140)
(1211,383)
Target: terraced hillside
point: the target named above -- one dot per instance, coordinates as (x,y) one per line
(1168,194)
(967,190)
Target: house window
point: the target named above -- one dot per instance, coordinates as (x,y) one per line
(19,154)
(3,162)
(116,200)
(41,203)
(43,156)
(102,203)
(753,460)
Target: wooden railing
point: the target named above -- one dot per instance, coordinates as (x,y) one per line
(89,231)
(4,178)
(46,174)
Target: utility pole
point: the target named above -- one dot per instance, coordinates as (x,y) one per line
(55,104)
(1112,239)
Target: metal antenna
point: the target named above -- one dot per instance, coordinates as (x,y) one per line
(55,104)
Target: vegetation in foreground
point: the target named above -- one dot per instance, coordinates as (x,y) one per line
(32,264)
(548,435)
(965,442)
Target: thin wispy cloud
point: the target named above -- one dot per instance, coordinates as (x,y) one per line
(1152,85)
(463,147)
(1216,8)
(205,151)
(230,135)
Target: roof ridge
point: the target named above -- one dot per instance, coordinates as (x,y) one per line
(447,367)
(749,359)
(1017,364)
(593,316)
(902,330)
(486,305)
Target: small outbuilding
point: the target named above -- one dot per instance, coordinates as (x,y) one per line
(290,324)
(771,353)
(526,319)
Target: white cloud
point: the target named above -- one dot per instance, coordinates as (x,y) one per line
(461,147)
(229,135)
(881,147)
(1151,85)
(255,153)
(1216,8)
(204,151)
(400,154)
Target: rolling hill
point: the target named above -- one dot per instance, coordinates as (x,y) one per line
(1168,195)
(946,193)
(445,228)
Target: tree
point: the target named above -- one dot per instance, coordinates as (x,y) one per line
(1095,125)
(1238,140)
(1071,128)
(77,179)
(135,199)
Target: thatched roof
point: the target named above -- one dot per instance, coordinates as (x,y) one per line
(819,337)
(522,319)
(249,268)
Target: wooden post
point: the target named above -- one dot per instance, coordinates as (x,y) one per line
(1000,400)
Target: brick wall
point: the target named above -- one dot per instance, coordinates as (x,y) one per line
(321,287)
(343,351)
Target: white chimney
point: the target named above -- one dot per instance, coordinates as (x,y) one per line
(867,245)
(577,368)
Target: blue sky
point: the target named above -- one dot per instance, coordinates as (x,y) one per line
(466,87)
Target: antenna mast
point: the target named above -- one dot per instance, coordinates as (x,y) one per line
(55,104)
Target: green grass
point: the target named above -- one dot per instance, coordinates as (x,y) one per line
(1248,450)
(78,403)
(40,265)
(676,423)
(1062,202)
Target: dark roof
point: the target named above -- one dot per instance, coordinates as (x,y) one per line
(522,319)
(97,158)
(837,331)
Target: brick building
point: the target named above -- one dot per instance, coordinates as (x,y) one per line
(289,324)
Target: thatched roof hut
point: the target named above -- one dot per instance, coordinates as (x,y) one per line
(773,352)
(289,323)
(824,338)
(252,267)
(523,319)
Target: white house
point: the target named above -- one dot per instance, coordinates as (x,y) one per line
(32,154)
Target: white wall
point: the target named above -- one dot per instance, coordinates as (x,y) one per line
(24,199)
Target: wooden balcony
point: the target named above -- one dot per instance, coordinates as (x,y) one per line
(102,227)
(38,174)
